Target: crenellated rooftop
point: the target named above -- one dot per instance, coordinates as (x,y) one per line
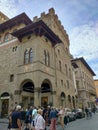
(3,17)
(51,13)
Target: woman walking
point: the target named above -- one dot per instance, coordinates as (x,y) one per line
(52,117)
(40,122)
(61,115)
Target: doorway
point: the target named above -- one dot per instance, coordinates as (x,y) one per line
(44,101)
(5,106)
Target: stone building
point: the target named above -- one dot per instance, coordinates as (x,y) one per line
(3,17)
(96,86)
(35,66)
(85,87)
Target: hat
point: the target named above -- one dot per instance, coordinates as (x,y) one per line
(18,107)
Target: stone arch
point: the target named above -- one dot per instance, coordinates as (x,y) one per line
(27,86)
(46,86)
(69,98)
(63,97)
(46,90)
(27,93)
(5,95)
(4,103)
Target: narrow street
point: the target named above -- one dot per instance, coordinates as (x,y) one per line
(79,124)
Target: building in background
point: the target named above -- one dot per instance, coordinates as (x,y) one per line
(35,63)
(96,87)
(86,92)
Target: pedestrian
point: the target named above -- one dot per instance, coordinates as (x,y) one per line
(49,109)
(94,109)
(40,122)
(16,119)
(45,116)
(9,118)
(61,115)
(90,113)
(27,119)
(87,112)
(65,119)
(30,117)
(23,117)
(52,117)
(34,114)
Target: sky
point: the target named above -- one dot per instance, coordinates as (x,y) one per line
(79,18)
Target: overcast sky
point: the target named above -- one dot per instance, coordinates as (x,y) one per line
(79,18)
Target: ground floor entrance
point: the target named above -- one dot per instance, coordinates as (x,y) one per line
(4,104)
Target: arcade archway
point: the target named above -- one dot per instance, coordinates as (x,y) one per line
(62,97)
(27,93)
(4,104)
(46,90)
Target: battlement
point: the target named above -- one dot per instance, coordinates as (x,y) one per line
(43,14)
(51,15)
(3,17)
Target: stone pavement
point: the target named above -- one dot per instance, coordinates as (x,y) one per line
(4,120)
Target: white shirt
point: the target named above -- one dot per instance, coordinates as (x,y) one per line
(34,113)
(40,123)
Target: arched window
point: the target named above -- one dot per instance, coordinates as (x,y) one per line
(69,72)
(66,69)
(26,57)
(31,55)
(67,83)
(60,65)
(69,98)
(58,51)
(46,57)
(7,37)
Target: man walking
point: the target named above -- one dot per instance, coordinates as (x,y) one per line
(16,119)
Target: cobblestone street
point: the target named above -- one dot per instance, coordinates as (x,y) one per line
(79,124)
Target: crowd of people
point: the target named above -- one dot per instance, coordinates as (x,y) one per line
(36,118)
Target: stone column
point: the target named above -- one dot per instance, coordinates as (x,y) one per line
(37,97)
(54,101)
